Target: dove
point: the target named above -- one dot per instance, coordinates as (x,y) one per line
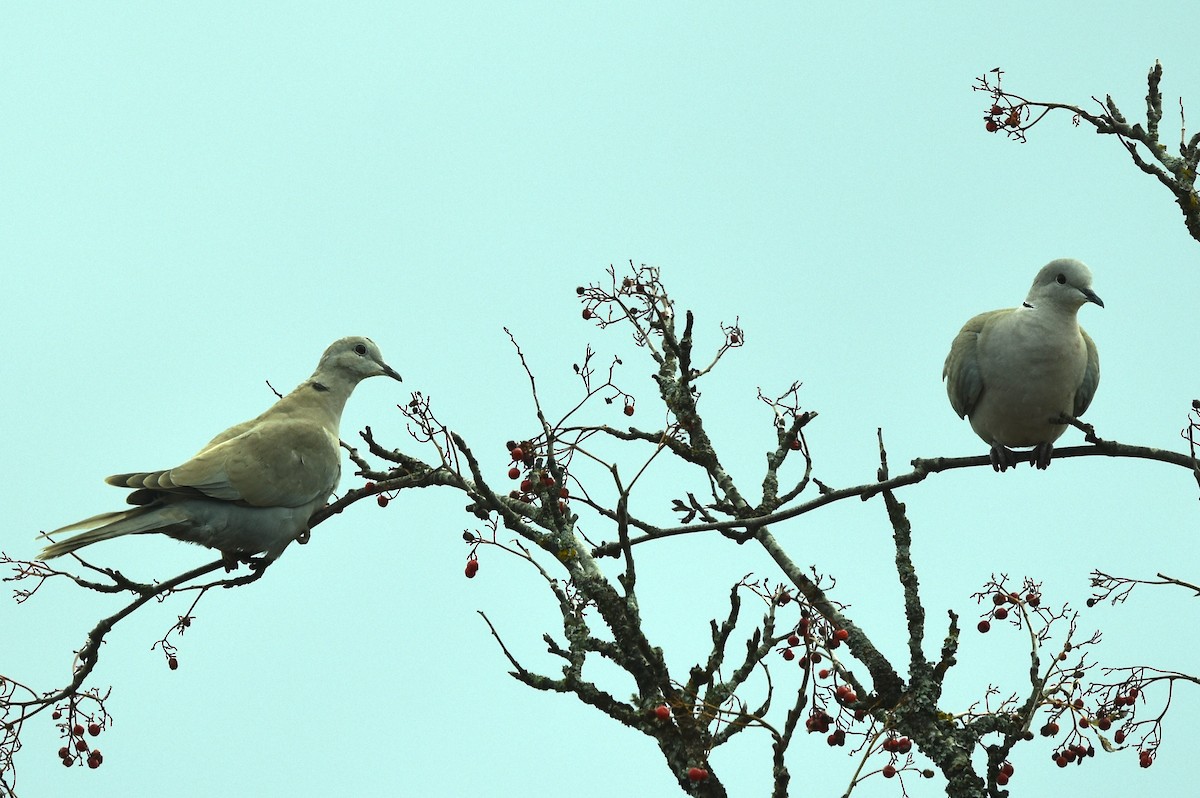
(251,489)
(1012,371)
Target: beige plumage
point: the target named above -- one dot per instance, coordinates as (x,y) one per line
(252,488)
(1011,371)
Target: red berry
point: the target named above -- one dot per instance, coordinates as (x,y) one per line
(629,410)
(984,626)
(518,453)
(1001,613)
(1119,737)
(514,472)
(1133,693)
(795,444)
(889,771)
(841,634)
(793,640)
(991,126)
(64,752)
(93,729)
(1007,769)
(1033,599)
(68,761)
(526,485)
(81,745)
(587,313)
(662,712)
(1062,761)
(472,568)
(1083,723)
(56,715)
(823,673)
(788,654)
(514,494)
(564,493)
(697,774)
(382,500)
(172,663)
(999,598)
(77,730)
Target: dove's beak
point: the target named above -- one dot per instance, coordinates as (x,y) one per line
(1090,296)
(388,371)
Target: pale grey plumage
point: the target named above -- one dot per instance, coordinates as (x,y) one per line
(1010,371)
(252,488)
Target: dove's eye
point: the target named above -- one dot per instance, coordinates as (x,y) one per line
(1062,280)
(359,349)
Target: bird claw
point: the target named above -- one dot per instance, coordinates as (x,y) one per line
(1041,455)
(1002,457)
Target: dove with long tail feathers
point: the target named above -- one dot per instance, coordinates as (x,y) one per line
(251,489)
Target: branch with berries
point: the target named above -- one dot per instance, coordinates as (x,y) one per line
(1015,115)
(581,471)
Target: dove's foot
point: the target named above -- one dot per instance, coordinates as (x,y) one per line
(1002,457)
(1041,455)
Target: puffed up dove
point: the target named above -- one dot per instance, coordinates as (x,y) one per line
(251,489)
(1013,371)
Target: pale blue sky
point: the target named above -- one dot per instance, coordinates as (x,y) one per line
(197,198)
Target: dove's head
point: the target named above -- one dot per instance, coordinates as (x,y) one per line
(354,359)
(1065,283)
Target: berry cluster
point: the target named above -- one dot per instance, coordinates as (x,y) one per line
(1076,753)
(998,117)
(75,745)
(1000,607)
(536,480)
(817,638)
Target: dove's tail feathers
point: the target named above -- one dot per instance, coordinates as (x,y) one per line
(87,523)
(152,518)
